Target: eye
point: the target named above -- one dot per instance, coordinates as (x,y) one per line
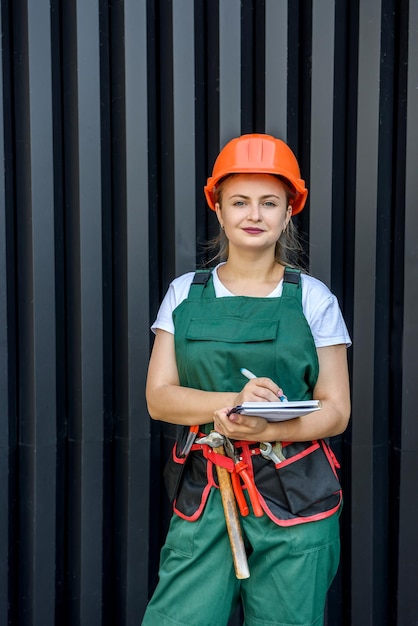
(239,203)
(269,203)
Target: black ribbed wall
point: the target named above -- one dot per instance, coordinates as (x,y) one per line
(113,113)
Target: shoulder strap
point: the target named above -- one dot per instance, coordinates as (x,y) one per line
(201,279)
(292,284)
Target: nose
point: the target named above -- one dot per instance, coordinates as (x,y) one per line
(254,212)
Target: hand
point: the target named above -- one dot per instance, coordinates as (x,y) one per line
(237,426)
(259,390)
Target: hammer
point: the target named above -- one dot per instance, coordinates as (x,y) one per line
(216,440)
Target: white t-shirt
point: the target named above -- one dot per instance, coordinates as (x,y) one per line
(320,307)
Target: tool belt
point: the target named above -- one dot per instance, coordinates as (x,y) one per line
(303,487)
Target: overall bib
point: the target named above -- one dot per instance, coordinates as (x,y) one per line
(293,550)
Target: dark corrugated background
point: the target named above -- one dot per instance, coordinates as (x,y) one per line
(113,113)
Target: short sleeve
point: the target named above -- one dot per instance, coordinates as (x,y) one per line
(323,313)
(177,291)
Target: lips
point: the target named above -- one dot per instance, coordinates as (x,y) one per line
(253,231)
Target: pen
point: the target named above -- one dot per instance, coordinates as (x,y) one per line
(250,375)
(247,373)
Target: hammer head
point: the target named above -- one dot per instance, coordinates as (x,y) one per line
(214,439)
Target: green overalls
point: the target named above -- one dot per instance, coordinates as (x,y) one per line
(293,550)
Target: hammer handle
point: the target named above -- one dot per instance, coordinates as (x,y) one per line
(232,520)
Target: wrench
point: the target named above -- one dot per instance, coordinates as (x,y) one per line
(268,452)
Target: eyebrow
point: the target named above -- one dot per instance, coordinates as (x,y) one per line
(268,195)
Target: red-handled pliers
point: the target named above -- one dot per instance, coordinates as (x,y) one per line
(240,470)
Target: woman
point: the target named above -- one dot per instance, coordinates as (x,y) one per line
(251,311)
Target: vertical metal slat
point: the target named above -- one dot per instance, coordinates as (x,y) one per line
(407,611)
(184,135)
(137,444)
(364,305)
(44,326)
(322,115)
(89,438)
(276,68)
(7,538)
(229,70)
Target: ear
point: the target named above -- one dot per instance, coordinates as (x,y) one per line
(289,211)
(218,212)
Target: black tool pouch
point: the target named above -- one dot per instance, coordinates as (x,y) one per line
(308,480)
(304,486)
(175,465)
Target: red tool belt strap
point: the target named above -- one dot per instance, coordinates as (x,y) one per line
(218,459)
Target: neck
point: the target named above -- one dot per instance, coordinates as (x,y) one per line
(252,267)
(250,276)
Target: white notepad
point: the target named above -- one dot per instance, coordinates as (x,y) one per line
(278,411)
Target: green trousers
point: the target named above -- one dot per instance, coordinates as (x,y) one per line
(291,570)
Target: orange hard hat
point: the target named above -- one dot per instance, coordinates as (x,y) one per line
(258,154)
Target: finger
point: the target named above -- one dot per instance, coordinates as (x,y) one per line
(265,381)
(261,394)
(263,388)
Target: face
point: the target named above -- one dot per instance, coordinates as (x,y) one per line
(253,210)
